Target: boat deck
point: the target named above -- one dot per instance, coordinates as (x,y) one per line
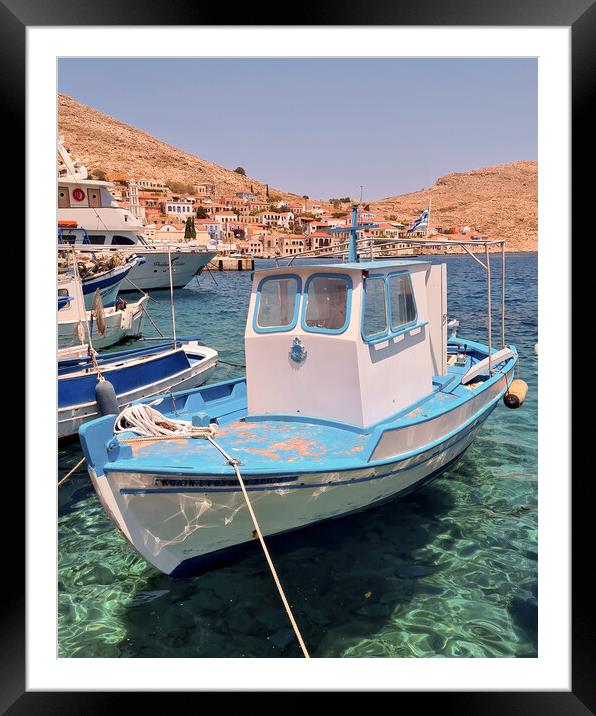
(265,444)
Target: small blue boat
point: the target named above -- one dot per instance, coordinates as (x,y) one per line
(353,395)
(134,374)
(107,281)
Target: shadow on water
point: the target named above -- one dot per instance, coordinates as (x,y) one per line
(344,579)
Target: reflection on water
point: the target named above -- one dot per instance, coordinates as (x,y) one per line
(448,571)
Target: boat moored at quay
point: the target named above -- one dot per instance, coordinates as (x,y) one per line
(88,204)
(353,395)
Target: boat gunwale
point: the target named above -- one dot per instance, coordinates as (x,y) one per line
(205,360)
(307,467)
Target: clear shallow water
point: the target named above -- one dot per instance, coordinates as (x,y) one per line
(449,571)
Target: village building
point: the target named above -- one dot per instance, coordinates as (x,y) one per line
(320,240)
(211,226)
(273,218)
(204,190)
(292,244)
(255,247)
(152,185)
(180,208)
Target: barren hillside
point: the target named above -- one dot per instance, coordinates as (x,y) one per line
(103,142)
(499,202)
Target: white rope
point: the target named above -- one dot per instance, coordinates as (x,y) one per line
(147,422)
(150,424)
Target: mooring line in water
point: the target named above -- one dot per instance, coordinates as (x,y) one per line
(146,312)
(74,469)
(234,365)
(234,463)
(150,424)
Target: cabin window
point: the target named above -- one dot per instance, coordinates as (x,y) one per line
(121,241)
(63,298)
(401,300)
(277,303)
(374,320)
(97,239)
(327,303)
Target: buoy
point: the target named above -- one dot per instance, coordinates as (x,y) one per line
(516,394)
(105,395)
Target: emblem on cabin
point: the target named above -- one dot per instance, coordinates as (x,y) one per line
(297,352)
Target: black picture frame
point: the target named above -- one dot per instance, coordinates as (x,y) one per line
(580,15)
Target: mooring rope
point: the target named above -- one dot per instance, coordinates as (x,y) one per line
(150,424)
(74,469)
(234,463)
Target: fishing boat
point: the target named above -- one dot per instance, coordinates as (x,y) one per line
(353,395)
(103,272)
(108,283)
(89,203)
(113,325)
(134,374)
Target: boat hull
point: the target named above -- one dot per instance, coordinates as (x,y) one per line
(185,524)
(126,323)
(154,274)
(108,284)
(202,363)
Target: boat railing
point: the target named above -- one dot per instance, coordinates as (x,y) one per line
(373,247)
(136,248)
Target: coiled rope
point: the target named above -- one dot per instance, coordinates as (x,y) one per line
(150,424)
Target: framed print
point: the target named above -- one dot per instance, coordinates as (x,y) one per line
(419,158)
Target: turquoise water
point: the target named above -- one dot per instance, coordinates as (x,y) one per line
(449,571)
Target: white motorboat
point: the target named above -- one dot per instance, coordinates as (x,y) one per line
(88,204)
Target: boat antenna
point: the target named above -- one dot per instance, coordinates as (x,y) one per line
(352,252)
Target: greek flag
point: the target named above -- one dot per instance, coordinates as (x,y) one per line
(420,223)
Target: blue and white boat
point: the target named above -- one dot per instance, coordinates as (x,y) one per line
(134,374)
(108,283)
(353,395)
(108,280)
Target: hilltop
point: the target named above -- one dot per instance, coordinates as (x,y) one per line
(499,202)
(106,144)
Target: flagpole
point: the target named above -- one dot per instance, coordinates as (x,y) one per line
(430,198)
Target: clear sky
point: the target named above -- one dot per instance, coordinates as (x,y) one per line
(323,127)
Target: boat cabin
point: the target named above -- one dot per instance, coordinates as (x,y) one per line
(354,342)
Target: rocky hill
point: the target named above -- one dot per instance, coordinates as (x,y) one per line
(117,149)
(499,202)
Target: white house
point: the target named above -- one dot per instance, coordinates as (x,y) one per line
(181,209)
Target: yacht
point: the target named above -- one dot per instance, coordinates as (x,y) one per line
(89,204)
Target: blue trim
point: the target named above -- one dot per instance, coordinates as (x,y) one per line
(331,331)
(89,285)
(277,329)
(282,481)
